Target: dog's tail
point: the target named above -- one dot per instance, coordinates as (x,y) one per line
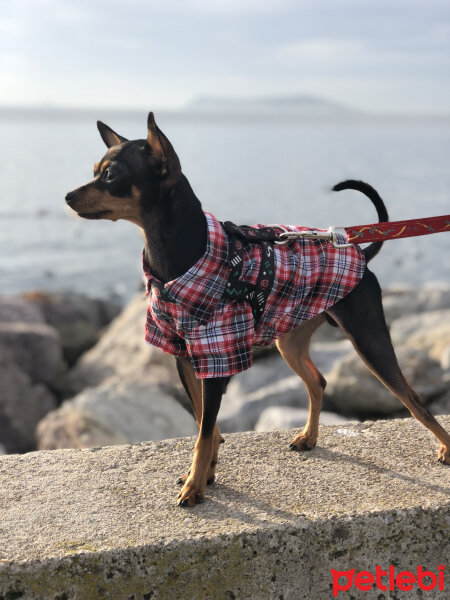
(360,186)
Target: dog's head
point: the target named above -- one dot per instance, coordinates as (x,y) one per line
(131,178)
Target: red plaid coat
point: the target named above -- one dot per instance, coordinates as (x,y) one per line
(190,317)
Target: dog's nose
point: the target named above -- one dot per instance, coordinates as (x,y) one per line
(70,197)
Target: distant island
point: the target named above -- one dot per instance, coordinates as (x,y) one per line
(299,105)
(283,107)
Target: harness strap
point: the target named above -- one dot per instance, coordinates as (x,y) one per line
(252,234)
(256,295)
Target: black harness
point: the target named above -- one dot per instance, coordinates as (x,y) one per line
(256,295)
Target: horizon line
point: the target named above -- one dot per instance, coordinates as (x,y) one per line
(188,110)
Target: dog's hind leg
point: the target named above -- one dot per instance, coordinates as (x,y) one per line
(193,387)
(361,316)
(294,348)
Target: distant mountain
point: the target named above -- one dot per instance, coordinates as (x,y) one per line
(283,105)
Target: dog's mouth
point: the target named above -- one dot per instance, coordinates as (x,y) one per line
(94,215)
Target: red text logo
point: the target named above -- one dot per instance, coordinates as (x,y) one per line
(388,580)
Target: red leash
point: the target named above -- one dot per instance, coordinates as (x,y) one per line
(394,230)
(342,237)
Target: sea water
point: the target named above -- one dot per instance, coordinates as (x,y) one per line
(247,170)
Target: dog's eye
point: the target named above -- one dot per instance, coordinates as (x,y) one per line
(108,175)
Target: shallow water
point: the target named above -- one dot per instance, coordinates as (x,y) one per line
(247,171)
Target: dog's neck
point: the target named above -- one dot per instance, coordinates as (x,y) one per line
(175,231)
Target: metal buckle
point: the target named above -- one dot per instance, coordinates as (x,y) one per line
(287,237)
(334,231)
(308,235)
(331,234)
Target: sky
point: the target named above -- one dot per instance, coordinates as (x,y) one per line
(374,55)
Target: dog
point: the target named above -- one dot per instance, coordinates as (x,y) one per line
(141,181)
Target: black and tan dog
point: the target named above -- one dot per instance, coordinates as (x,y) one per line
(141,181)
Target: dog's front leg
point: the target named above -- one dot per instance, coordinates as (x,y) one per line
(193,491)
(193,387)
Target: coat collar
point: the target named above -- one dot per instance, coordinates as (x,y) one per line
(201,287)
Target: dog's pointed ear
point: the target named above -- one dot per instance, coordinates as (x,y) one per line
(110,137)
(154,144)
(162,150)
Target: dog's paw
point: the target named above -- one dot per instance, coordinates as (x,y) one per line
(192,493)
(444,455)
(303,442)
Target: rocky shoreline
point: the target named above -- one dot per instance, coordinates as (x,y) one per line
(75,372)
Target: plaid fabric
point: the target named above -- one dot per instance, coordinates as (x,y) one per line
(190,316)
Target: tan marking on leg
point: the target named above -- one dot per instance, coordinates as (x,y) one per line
(294,348)
(194,487)
(360,315)
(194,386)
(412,402)
(203,464)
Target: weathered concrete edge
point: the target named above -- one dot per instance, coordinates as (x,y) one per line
(292,560)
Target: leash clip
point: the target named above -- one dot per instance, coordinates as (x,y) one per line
(334,232)
(288,235)
(332,235)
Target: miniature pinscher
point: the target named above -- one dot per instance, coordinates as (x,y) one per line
(141,181)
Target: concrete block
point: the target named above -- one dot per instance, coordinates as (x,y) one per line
(103,523)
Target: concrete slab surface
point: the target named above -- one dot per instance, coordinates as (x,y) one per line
(103,522)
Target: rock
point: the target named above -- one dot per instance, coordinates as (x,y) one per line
(77,318)
(122,351)
(22,405)
(32,372)
(434,295)
(31,342)
(264,372)
(325,354)
(273,367)
(285,417)
(35,347)
(445,358)
(271,382)
(116,412)
(352,389)
(133,391)
(400,300)
(240,412)
(328,333)
(429,331)
(19,310)
(441,406)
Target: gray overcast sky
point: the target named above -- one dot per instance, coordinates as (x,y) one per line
(387,55)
